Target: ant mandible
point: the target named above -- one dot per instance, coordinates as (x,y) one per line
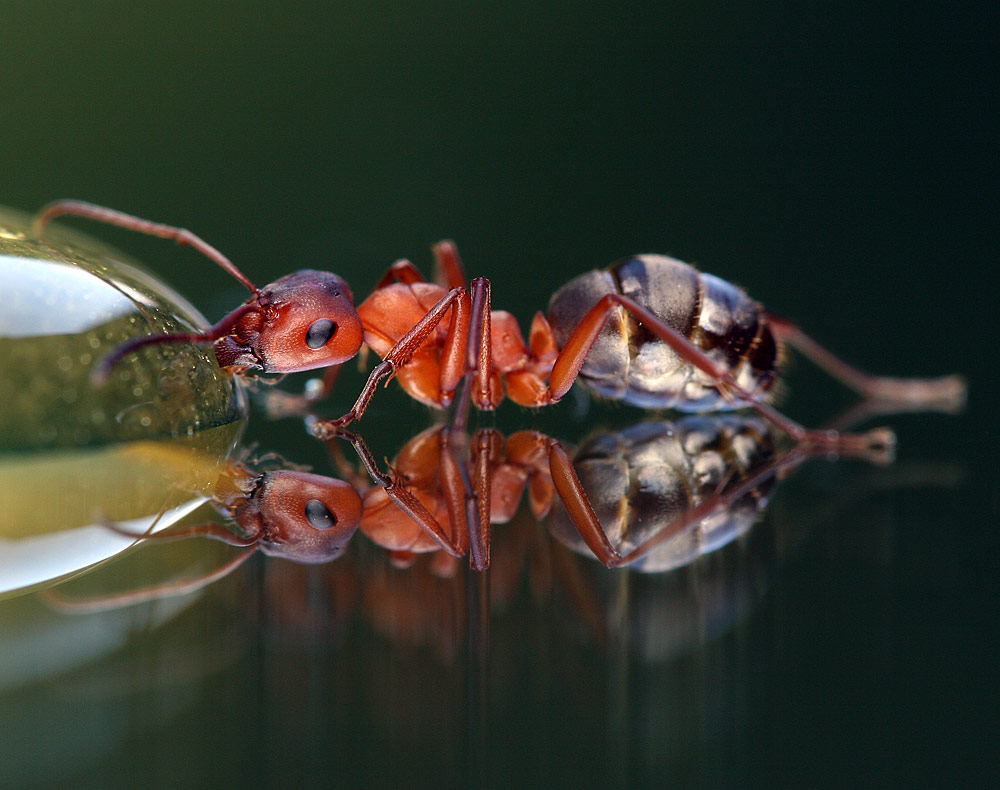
(649,330)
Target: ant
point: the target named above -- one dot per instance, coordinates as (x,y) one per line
(649,330)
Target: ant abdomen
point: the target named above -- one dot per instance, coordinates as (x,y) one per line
(630,363)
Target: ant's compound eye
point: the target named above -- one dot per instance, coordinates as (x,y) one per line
(319,515)
(320,332)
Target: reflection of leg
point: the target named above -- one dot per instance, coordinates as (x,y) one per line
(208,530)
(577,504)
(404,498)
(488,448)
(716,503)
(180,586)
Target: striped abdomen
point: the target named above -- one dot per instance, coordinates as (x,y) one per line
(643,478)
(629,363)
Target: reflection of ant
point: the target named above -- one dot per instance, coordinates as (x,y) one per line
(653,496)
(287,513)
(649,330)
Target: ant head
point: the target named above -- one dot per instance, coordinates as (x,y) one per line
(300,516)
(309,322)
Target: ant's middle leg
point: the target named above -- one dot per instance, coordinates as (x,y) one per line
(448,270)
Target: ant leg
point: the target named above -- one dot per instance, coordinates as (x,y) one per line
(456,489)
(456,300)
(947,392)
(448,269)
(577,504)
(451,275)
(488,446)
(397,491)
(78,208)
(582,339)
(208,530)
(401,271)
(478,358)
(480,348)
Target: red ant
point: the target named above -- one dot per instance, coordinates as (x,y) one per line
(649,330)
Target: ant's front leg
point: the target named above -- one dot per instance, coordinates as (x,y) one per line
(452,362)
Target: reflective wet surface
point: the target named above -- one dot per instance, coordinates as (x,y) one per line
(784,636)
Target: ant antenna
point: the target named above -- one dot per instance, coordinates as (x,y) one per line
(79,208)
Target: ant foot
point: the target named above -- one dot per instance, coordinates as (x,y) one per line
(877,445)
(327,429)
(881,447)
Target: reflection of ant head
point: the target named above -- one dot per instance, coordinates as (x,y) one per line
(301,516)
(307,321)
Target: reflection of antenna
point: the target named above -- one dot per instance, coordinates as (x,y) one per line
(182,586)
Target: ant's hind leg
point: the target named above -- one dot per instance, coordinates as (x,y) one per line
(878,441)
(946,393)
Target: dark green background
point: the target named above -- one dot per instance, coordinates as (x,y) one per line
(837,160)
